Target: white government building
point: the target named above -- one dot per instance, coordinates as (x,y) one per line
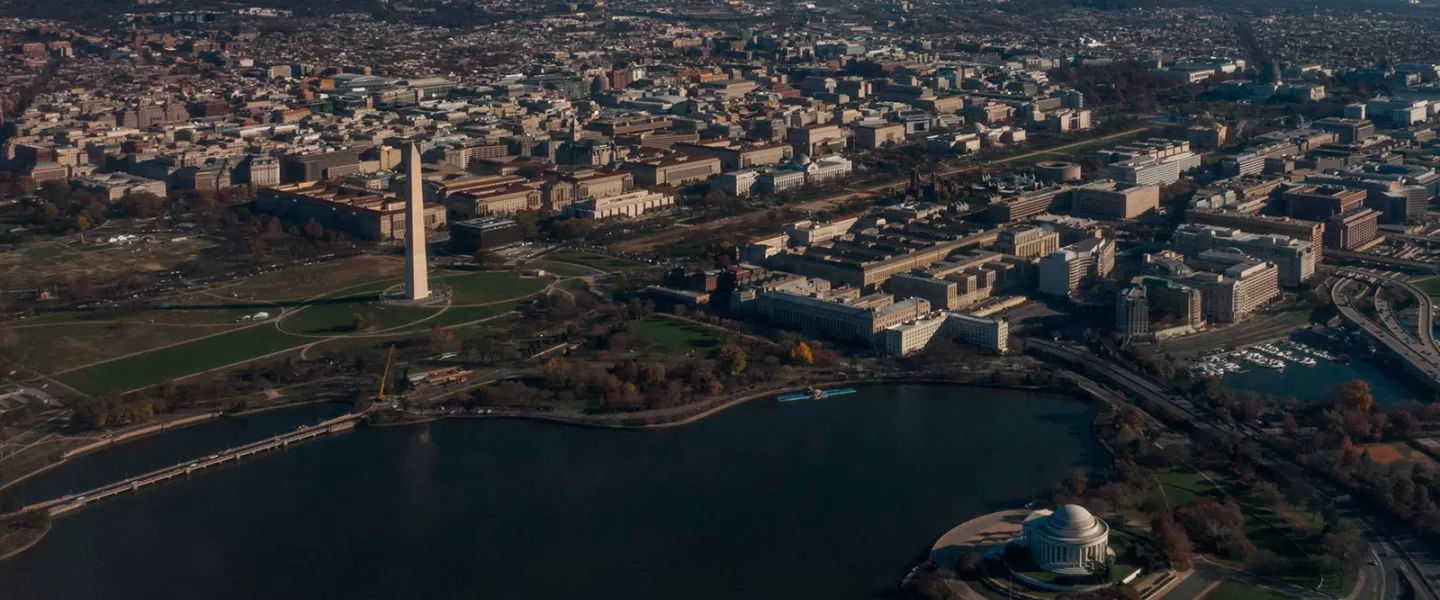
(1069,541)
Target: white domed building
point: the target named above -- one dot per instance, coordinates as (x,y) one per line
(1068,541)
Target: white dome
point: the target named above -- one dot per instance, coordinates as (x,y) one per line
(1072,522)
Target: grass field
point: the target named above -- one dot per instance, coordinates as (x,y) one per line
(184,359)
(465,314)
(60,347)
(560,268)
(1429,286)
(1183,486)
(336,316)
(314,280)
(480,288)
(74,339)
(1234,590)
(674,333)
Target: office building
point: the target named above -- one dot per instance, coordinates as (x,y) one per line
(1028,242)
(1112,200)
(984,332)
(1318,203)
(1352,229)
(629,204)
(1309,231)
(1063,270)
(673,170)
(484,233)
(1294,259)
(359,212)
(1024,204)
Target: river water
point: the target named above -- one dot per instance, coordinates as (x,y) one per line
(812,499)
(1317,383)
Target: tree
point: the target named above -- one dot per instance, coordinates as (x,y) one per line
(732,359)
(1173,541)
(1354,395)
(801,355)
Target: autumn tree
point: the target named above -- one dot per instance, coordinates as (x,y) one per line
(801,355)
(1354,396)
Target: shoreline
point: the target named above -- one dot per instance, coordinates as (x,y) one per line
(618,421)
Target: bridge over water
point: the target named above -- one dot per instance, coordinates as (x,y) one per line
(65,504)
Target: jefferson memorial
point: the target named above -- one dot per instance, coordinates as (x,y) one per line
(1068,541)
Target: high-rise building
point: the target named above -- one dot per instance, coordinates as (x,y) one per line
(1132,312)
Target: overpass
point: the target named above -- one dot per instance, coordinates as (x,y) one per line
(1425,308)
(1386,261)
(1421,363)
(60,506)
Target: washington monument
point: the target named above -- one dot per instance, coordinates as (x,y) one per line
(417,276)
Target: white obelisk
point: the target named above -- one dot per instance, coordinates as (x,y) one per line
(417,275)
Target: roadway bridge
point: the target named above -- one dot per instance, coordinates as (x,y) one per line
(1385,261)
(60,506)
(1421,359)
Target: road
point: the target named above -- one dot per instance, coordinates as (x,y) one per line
(1398,549)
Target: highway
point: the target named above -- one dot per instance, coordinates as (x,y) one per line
(1398,551)
(1423,358)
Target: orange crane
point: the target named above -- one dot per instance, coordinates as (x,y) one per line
(389,360)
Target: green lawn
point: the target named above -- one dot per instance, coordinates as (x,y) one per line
(1429,286)
(466,314)
(674,333)
(1234,590)
(184,359)
(480,288)
(336,316)
(1183,485)
(560,268)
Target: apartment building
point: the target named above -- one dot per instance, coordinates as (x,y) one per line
(1132,312)
(1238,291)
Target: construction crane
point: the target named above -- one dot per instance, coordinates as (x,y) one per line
(389,360)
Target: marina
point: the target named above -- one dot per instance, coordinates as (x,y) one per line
(1274,356)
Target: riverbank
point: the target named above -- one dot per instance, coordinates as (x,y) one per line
(646,419)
